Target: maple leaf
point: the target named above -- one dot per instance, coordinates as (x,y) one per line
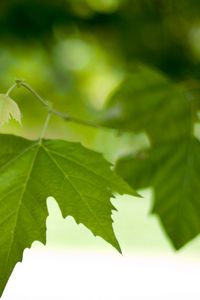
(172,170)
(8,109)
(149,102)
(79,179)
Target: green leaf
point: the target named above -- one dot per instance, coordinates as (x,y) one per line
(80,180)
(149,102)
(173,170)
(137,170)
(8,109)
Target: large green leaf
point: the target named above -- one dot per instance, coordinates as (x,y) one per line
(173,171)
(148,102)
(80,180)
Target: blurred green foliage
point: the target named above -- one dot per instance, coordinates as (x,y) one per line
(76,53)
(163,33)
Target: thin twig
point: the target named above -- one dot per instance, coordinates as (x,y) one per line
(45,126)
(12,88)
(30,89)
(48,105)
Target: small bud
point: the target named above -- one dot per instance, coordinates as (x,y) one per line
(8,109)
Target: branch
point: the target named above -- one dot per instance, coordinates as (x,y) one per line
(48,105)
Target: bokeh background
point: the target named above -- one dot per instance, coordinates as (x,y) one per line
(75,53)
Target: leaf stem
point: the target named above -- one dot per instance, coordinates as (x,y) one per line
(45,126)
(30,89)
(11,89)
(48,105)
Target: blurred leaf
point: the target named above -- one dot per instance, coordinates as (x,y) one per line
(148,101)
(172,169)
(79,179)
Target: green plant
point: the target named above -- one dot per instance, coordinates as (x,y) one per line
(79,179)
(82,181)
